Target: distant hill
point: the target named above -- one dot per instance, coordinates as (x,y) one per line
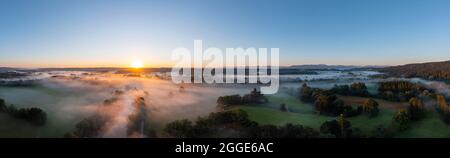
(331,67)
(6,69)
(432,70)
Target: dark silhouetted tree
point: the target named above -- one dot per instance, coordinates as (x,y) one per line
(359,89)
(341,128)
(180,129)
(306,93)
(2,105)
(89,127)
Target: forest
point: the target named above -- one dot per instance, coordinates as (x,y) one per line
(432,70)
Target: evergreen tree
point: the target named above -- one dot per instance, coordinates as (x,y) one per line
(370,107)
(401,120)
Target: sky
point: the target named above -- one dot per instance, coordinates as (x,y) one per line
(114,33)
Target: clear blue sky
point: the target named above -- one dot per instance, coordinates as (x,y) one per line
(53,33)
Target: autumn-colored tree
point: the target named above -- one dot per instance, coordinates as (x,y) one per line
(442,103)
(434,70)
(322,103)
(443,108)
(370,107)
(399,90)
(416,109)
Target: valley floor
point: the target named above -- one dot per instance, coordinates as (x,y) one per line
(303,113)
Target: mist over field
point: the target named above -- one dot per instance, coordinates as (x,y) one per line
(69,97)
(141,104)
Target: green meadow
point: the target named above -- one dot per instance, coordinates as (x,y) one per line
(303,113)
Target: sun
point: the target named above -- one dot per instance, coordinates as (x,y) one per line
(137,64)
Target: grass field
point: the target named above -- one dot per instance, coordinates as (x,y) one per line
(264,115)
(299,113)
(367,124)
(303,113)
(430,127)
(383,104)
(15,128)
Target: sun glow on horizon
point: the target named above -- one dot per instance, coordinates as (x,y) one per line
(137,64)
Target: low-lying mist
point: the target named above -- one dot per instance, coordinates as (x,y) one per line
(136,105)
(69,99)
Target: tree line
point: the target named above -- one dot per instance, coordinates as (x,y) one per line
(399,90)
(434,71)
(254,97)
(355,89)
(327,103)
(34,115)
(234,124)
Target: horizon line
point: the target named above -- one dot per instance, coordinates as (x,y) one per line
(118,67)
